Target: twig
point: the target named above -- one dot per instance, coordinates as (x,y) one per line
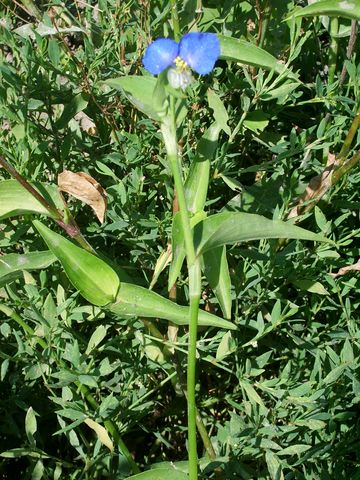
(349,50)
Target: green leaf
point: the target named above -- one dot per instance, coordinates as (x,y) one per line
(311,286)
(248,53)
(13,264)
(256,121)
(38,471)
(225,346)
(23,452)
(334,374)
(95,279)
(30,425)
(220,114)
(294,450)
(178,250)
(274,466)
(197,181)
(160,474)
(232,227)
(133,300)
(96,338)
(178,246)
(77,104)
(196,187)
(15,200)
(139,91)
(253,396)
(217,272)
(54,52)
(331,8)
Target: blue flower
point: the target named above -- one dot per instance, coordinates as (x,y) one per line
(196,50)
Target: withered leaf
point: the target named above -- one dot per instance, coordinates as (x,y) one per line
(345,270)
(316,188)
(85,188)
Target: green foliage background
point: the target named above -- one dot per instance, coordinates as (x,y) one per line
(279,396)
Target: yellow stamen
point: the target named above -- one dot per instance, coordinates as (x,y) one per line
(180,64)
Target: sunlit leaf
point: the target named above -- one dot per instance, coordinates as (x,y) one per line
(16,200)
(13,264)
(331,8)
(217,272)
(95,279)
(239,50)
(232,227)
(138,90)
(133,300)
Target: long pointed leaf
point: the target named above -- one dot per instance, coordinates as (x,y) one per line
(217,272)
(242,51)
(331,8)
(133,300)
(197,181)
(160,474)
(233,227)
(178,250)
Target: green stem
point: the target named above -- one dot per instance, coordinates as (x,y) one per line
(195,292)
(172,355)
(109,424)
(175,20)
(349,137)
(264,12)
(333,50)
(168,128)
(345,168)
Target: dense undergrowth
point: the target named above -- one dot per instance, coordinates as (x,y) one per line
(82,390)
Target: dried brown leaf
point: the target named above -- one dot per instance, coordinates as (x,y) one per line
(85,188)
(345,270)
(316,188)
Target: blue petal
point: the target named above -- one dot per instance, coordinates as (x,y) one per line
(160,54)
(200,51)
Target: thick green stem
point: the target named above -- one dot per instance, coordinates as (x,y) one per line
(195,292)
(345,168)
(168,128)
